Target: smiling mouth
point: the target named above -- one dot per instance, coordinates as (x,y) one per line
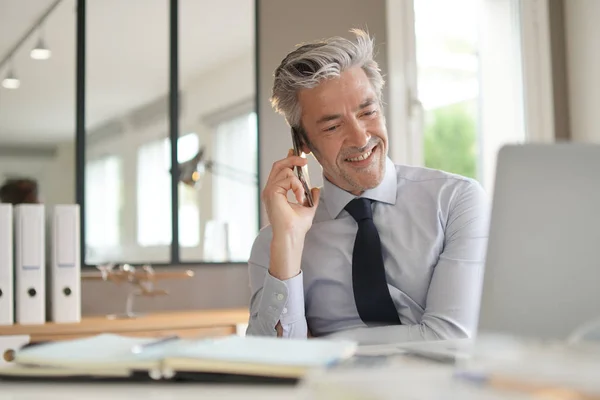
(362,157)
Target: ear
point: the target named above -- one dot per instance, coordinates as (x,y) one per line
(305,148)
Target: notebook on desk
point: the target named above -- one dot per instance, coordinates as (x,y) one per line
(120,357)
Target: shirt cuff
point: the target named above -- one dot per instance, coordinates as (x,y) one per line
(283,300)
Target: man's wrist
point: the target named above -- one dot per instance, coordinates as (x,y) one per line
(286,255)
(283,275)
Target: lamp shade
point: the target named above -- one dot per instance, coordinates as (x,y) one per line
(11,81)
(40,51)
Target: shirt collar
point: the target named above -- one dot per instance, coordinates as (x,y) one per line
(336,199)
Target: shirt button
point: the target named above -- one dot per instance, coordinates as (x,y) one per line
(284,310)
(279,296)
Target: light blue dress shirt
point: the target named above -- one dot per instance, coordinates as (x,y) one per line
(433,228)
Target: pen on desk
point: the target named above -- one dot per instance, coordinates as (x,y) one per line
(138,348)
(542,390)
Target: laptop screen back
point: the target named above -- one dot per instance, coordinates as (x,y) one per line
(542,274)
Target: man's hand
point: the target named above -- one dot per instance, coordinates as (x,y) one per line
(289,221)
(286,217)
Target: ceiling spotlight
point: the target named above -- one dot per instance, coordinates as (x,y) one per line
(11,81)
(40,51)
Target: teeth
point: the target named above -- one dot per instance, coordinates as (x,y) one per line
(360,158)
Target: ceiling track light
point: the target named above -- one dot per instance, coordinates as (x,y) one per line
(11,81)
(39,52)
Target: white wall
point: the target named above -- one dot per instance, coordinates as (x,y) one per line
(33,167)
(55,173)
(212,287)
(61,175)
(583,66)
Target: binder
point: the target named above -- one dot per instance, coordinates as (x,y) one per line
(30,263)
(6,265)
(65,272)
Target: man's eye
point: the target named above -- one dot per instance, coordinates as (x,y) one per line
(331,128)
(369,113)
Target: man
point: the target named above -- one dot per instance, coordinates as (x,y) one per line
(387,253)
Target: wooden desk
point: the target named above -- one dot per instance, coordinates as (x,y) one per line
(183,323)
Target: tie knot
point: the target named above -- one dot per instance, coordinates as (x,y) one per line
(360,209)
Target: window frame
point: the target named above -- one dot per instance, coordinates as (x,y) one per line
(173,130)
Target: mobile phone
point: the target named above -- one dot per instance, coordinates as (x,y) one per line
(302,172)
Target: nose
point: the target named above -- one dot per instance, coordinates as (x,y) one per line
(357,134)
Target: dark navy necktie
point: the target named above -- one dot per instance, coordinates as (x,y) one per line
(371,293)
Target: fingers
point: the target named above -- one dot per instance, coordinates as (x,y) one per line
(280,178)
(283,174)
(287,163)
(277,183)
(291,183)
(283,179)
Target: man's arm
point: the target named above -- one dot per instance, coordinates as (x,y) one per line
(277,292)
(276,306)
(453,298)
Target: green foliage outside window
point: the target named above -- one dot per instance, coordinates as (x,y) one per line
(451,139)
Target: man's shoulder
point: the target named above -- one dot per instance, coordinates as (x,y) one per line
(443,188)
(424,174)
(408,174)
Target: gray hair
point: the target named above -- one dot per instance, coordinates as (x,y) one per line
(311,63)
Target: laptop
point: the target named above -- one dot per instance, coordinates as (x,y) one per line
(542,272)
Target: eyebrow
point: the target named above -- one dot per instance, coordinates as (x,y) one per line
(366,103)
(327,118)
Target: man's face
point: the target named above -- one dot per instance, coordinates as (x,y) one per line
(346,130)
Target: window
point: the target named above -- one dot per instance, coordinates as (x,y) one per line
(103,199)
(143,119)
(235,171)
(460,84)
(154,193)
(447,50)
